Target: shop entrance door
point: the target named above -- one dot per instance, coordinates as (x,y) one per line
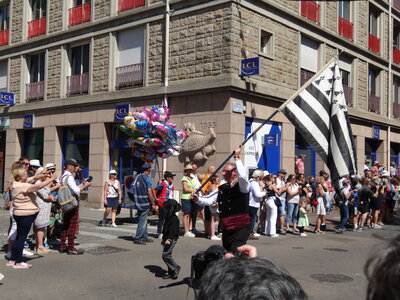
(2,158)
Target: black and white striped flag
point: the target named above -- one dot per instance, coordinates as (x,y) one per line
(319,113)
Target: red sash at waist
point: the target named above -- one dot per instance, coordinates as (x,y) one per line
(234,222)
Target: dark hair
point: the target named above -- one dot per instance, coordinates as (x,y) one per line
(22,158)
(248,278)
(382,272)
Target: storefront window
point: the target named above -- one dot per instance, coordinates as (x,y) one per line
(33,144)
(76,146)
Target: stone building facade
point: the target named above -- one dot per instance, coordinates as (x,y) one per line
(69,77)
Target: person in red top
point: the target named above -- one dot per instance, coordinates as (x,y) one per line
(165,192)
(299,167)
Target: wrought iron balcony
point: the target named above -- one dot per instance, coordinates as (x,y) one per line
(35,91)
(78,84)
(129,76)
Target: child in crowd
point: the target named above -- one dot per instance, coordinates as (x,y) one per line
(170,237)
(303,218)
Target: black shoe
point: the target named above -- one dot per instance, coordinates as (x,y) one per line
(139,242)
(175,276)
(167,276)
(63,250)
(148,240)
(75,252)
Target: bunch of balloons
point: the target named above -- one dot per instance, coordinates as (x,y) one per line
(151,134)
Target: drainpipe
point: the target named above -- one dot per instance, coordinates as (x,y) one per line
(166,64)
(390,79)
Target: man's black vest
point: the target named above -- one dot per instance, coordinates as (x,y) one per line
(231,201)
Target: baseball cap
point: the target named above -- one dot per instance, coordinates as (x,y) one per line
(35,163)
(113,172)
(146,166)
(168,174)
(70,162)
(282,171)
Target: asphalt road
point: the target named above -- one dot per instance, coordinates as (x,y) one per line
(114,267)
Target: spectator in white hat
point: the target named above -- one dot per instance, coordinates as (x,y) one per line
(112,197)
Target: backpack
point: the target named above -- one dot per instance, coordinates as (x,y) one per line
(313,199)
(339,200)
(65,198)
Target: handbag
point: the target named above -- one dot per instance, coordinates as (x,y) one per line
(278,202)
(65,198)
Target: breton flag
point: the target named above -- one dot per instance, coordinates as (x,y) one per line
(319,113)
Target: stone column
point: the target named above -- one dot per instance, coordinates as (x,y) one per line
(287,147)
(98,163)
(13,151)
(360,150)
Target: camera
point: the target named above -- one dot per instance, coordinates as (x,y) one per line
(201,261)
(55,181)
(89,179)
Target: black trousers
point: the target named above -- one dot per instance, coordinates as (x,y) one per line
(234,238)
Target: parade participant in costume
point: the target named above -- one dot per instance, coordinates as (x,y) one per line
(233,203)
(165,192)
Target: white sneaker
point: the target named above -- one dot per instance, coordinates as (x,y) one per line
(377,226)
(274,235)
(1,276)
(160,236)
(27,253)
(114,225)
(189,234)
(303,234)
(215,238)
(256,234)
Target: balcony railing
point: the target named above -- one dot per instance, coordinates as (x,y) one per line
(37,27)
(348,95)
(129,4)
(310,10)
(396,4)
(128,76)
(4,37)
(374,103)
(374,43)
(79,14)
(396,54)
(345,28)
(396,110)
(35,91)
(78,84)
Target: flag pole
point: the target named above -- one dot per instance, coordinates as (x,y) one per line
(282,107)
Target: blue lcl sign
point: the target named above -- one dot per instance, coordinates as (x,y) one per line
(375,132)
(28,121)
(121,111)
(7,98)
(250,66)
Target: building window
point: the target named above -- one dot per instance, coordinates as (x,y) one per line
(76,146)
(33,144)
(78,82)
(396,97)
(345,25)
(38,16)
(373,90)
(3,76)
(80,12)
(396,42)
(129,72)
(345,66)
(308,59)
(4,25)
(266,43)
(35,87)
(373,37)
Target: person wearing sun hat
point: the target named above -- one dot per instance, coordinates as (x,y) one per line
(34,164)
(188,206)
(112,197)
